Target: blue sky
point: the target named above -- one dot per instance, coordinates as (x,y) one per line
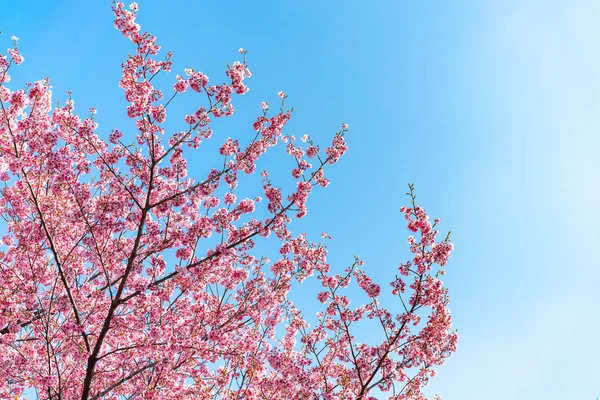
(490,108)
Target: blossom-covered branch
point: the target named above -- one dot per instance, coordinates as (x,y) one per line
(123,276)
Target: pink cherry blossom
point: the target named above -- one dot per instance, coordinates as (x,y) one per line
(122,275)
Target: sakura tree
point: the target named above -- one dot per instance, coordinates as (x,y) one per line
(122,277)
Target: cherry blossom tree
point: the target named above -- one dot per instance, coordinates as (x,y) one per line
(122,277)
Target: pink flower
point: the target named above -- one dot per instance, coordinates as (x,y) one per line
(312,151)
(229,148)
(181,85)
(197,80)
(14,54)
(323,297)
(229,198)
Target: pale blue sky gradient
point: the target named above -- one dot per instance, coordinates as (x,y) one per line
(491,108)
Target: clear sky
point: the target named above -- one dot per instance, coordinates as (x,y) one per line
(490,107)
